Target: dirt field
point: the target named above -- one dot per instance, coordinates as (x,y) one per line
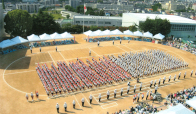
(18,77)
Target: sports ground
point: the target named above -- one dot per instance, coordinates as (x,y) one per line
(18,77)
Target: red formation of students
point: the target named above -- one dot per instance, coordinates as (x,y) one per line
(79,75)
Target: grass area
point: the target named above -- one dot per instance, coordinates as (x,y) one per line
(57,16)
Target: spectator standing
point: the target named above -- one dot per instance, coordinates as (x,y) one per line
(57,107)
(74,104)
(82,102)
(91,98)
(113,42)
(115,93)
(141,86)
(108,94)
(121,92)
(56,48)
(134,88)
(31,49)
(98,43)
(65,106)
(120,41)
(37,95)
(154,97)
(27,97)
(100,97)
(128,88)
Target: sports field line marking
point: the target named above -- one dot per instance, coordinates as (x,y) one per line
(51,57)
(110,103)
(62,56)
(10,85)
(44,62)
(128,47)
(122,49)
(20,72)
(77,101)
(110,106)
(86,99)
(94,51)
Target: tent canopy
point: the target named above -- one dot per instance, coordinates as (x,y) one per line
(87,32)
(192,102)
(56,36)
(179,109)
(19,40)
(33,38)
(148,34)
(137,33)
(90,33)
(66,35)
(117,32)
(98,32)
(45,37)
(128,32)
(7,43)
(159,36)
(107,32)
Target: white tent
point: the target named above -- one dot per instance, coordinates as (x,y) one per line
(192,102)
(19,40)
(66,35)
(90,33)
(128,32)
(33,38)
(45,37)
(107,32)
(7,43)
(117,32)
(137,33)
(158,36)
(87,32)
(98,32)
(56,36)
(148,34)
(178,109)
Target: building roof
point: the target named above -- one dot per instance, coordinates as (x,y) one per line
(99,17)
(171,18)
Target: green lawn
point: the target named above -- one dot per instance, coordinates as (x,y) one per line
(57,16)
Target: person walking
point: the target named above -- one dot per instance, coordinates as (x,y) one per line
(31,49)
(175,77)
(141,86)
(147,95)
(32,95)
(56,48)
(128,88)
(113,42)
(40,49)
(37,95)
(57,107)
(142,96)
(108,94)
(128,40)
(27,97)
(184,74)
(98,43)
(74,104)
(120,41)
(115,93)
(155,82)
(83,102)
(151,83)
(164,79)
(179,75)
(159,81)
(90,53)
(169,78)
(134,88)
(65,106)
(90,98)
(191,73)
(156,89)
(154,97)
(138,97)
(100,97)
(121,91)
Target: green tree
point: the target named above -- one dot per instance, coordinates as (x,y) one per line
(3,4)
(133,28)
(18,23)
(156,6)
(44,23)
(100,1)
(68,16)
(93,27)
(66,27)
(155,26)
(101,12)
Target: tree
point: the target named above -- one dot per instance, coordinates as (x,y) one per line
(100,1)
(156,6)
(3,4)
(133,28)
(18,23)
(68,16)
(156,25)
(44,23)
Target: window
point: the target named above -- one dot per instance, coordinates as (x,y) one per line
(77,22)
(100,22)
(92,22)
(107,22)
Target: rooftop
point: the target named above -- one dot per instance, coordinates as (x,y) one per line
(99,17)
(171,18)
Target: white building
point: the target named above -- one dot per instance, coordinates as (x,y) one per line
(1,22)
(31,8)
(97,20)
(180,26)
